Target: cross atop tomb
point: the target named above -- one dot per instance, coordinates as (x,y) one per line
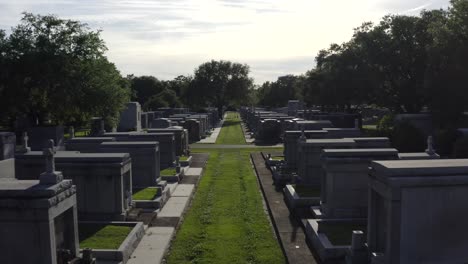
(50,176)
(430,147)
(25,139)
(72,132)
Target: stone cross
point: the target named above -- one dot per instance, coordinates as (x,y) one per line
(50,176)
(72,132)
(25,139)
(430,147)
(49,153)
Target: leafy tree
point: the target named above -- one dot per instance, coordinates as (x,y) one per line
(144,87)
(219,83)
(166,98)
(55,68)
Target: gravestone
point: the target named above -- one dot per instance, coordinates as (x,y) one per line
(7,145)
(145,160)
(345,180)
(311,124)
(193,129)
(103,180)
(97,127)
(38,221)
(130,118)
(39,137)
(144,120)
(161,123)
(418,211)
(269,131)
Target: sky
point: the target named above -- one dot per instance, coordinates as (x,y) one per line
(167,38)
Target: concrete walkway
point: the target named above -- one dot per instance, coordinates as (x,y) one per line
(160,233)
(214,135)
(290,233)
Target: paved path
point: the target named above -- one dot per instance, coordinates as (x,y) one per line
(158,236)
(216,146)
(290,233)
(214,135)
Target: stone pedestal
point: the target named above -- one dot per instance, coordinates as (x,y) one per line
(7,145)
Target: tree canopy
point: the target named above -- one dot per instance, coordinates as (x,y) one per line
(56,68)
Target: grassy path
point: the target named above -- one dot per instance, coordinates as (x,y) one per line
(227,222)
(231,132)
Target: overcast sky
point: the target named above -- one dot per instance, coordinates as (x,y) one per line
(167,38)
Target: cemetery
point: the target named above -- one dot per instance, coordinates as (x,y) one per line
(360,159)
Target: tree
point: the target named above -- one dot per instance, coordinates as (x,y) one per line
(55,68)
(166,98)
(219,83)
(144,87)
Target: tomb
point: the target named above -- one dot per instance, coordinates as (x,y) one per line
(181,137)
(160,123)
(7,145)
(193,129)
(291,140)
(97,127)
(145,160)
(38,219)
(418,211)
(103,180)
(86,144)
(130,118)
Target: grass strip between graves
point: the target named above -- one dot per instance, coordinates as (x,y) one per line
(227,222)
(168,172)
(99,236)
(231,132)
(145,194)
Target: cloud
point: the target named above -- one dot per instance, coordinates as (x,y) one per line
(166,38)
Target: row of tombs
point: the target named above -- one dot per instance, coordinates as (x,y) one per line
(361,201)
(53,197)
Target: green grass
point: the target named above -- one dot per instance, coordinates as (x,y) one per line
(231,132)
(168,172)
(98,236)
(340,233)
(183,158)
(145,194)
(227,222)
(304,191)
(278,158)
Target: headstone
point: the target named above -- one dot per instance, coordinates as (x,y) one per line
(418,211)
(130,118)
(39,137)
(7,145)
(97,127)
(24,143)
(193,128)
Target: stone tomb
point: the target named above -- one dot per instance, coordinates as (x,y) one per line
(418,211)
(167,150)
(97,127)
(86,144)
(309,161)
(311,124)
(7,145)
(291,140)
(144,120)
(181,137)
(145,160)
(38,222)
(193,129)
(103,180)
(160,123)
(130,118)
(345,180)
